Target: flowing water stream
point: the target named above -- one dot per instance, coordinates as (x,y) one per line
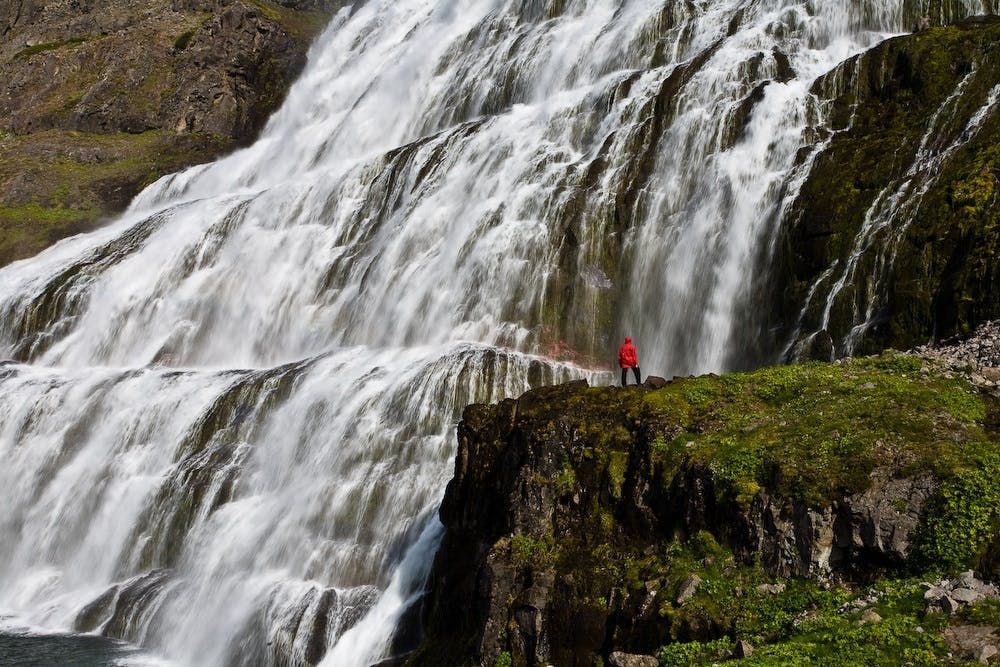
(228,416)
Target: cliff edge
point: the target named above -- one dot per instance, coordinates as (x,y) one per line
(788,514)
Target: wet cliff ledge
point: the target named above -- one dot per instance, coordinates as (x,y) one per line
(784,516)
(100,98)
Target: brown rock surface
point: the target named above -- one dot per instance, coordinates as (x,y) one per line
(102,97)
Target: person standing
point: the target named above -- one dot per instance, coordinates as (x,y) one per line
(629,358)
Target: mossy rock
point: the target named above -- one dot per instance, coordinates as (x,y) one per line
(913,124)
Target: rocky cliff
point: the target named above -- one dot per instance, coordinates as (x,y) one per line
(793,510)
(895,234)
(101,97)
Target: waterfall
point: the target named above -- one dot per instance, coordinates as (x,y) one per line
(228,416)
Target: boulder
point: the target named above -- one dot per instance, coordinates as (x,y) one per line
(655,382)
(743,649)
(619,659)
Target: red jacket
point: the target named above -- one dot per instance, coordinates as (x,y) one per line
(627,357)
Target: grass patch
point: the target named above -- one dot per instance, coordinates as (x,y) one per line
(815,432)
(52,46)
(67,195)
(301,24)
(183,40)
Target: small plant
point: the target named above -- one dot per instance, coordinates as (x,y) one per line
(528,552)
(504,660)
(183,40)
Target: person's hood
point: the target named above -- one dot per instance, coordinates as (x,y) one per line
(628,340)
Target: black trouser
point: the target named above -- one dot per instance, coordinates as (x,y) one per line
(635,371)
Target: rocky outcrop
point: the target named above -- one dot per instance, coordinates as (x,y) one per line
(977,355)
(100,98)
(901,200)
(573,510)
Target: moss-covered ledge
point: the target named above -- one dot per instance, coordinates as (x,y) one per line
(578,515)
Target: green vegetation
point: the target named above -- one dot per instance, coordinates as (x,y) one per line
(693,653)
(183,40)
(300,24)
(51,46)
(966,514)
(812,433)
(985,612)
(529,552)
(816,431)
(809,625)
(69,180)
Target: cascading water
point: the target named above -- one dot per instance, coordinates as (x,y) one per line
(230,414)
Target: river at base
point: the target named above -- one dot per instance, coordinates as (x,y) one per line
(23,647)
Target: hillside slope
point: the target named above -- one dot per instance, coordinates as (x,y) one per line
(100,98)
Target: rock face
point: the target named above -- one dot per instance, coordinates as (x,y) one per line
(902,198)
(100,98)
(565,504)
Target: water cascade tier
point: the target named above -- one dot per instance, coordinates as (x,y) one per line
(227,418)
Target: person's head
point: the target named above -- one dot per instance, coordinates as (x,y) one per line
(628,339)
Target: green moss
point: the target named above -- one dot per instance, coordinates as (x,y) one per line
(816,431)
(565,481)
(527,552)
(183,40)
(52,46)
(617,462)
(67,195)
(965,515)
(942,273)
(504,660)
(300,24)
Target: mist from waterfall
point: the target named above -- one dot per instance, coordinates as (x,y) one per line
(229,415)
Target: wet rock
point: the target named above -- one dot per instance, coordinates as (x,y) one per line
(944,277)
(619,659)
(655,382)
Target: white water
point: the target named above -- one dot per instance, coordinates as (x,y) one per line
(249,383)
